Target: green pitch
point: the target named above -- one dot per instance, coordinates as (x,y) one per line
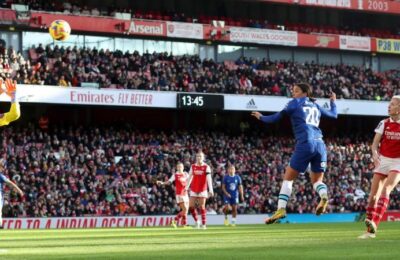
(280,241)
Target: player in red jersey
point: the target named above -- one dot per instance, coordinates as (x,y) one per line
(199,181)
(180,178)
(386,156)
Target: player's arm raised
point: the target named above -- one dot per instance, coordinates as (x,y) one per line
(332,112)
(267,119)
(289,108)
(15,112)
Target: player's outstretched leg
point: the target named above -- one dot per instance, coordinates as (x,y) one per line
(279,214)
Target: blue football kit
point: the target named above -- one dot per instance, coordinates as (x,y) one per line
(305,116)
(232,184)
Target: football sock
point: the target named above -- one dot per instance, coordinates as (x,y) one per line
(194,213)
(184,216)
(285,193)
(203,216)
(178,216)
(321,188)
(370,214)
(383,203)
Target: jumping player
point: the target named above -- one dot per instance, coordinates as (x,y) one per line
(310,149)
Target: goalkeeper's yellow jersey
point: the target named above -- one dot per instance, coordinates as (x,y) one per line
(11,115)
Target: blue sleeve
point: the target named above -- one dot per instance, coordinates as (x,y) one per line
(272,118)
(3,178)
(224,181)
(332,113)
(239,179)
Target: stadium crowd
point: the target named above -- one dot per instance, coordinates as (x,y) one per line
(77,171)
(165,72)
(80,8)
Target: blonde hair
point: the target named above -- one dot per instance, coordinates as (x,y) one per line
(396,97)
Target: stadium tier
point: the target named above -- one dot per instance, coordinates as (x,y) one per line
(73,66)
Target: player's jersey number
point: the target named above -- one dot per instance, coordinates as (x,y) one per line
(312,116)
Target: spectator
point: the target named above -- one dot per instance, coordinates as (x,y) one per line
(108,171)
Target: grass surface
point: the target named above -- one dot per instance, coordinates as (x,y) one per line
(280,241)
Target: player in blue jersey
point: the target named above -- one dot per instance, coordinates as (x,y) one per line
(310,149)
(5,180)
(231,187)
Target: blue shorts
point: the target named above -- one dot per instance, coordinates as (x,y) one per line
(313,153)
(233,200)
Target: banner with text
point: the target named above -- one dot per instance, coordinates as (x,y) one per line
(160,99)
(115,222)
(388,46)
(102,24)
(87,96)
(263,36)
(381,6)
(148,28)
(355,43)
(275,104)
(161,29)
(185,30)
(165,221)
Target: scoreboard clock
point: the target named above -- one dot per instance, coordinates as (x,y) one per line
(200,101)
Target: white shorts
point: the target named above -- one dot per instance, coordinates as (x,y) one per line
(203,194)
(182,198)
(387,165)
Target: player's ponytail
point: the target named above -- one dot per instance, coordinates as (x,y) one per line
(306,88)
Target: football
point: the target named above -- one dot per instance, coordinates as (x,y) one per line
(60,30)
